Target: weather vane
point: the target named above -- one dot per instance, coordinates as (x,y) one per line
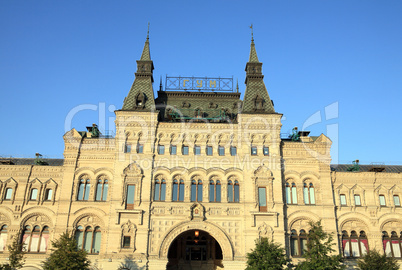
(252,37)
(148,31)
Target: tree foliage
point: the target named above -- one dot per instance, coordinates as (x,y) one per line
(267,255)
(373,260)
(66,255)
(319,248)
(16,255)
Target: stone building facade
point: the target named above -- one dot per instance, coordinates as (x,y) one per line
(191,180)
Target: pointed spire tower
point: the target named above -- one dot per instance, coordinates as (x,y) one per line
(256,98)
(141,95)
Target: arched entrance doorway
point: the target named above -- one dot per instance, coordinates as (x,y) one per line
(195,250)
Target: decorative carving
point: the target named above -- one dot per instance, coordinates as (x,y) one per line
(197,212)
(140,100)
(265,231)
(258,103)
(185,104)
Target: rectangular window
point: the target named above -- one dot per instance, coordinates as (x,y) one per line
(34,194)
(9,193)
(126,241)
(130,197)
(343,199)
(184,150)
(221,150)
(48,194)
(357,200)
(253,150)
(197,150)
(382,200)
(173,150)
(233,151)
(161,149)
(265,150)
(262,199)
(127,148)
(140,148)
(397,202)
(209,150)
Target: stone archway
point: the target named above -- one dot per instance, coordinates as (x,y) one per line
(194,249)
(214,231)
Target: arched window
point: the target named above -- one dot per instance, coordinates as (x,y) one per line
(393,245)
(35,240)
(34,194)
(298,243)
(291,193)
(196,191)
(160,190)
(308,193)
(178,191)
(354,246)
(3,237)
(90,239)
(83,190)
(233,191)
(101,190)
(215,191)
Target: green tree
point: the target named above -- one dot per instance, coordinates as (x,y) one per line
(66,255)
(373,260)
(267,255)
(319,248)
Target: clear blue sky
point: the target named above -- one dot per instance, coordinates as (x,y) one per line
(57,55)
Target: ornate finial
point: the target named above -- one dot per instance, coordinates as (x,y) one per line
(148,31)
(160,86)
(252,36)
(237,86)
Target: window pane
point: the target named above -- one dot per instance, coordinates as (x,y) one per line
(209,150)
(294,247)
(343,199)
(233,151)
(396,200)
(140,148)
(81,191)
(305,195)
(127,148)
(253,150)
(9,193)
(197,150)
(382,200)
(185,150)
(79,237)
(175,189)
(211,192)
(288,195)
(173,150)
(262,197)
(230,193)
(303,243)
(99,191)
(3,238)
(221,150)
(43,241)
(357,200)
(105,189)
(237,193)
(199,195)
(163,191)
(97,241)
(87,190)
(34,242)
(126,241)
(34,194)
(181,192)
(49,194)
(88,241)
(161,149)
(294,195)
(266,150)
(193,192)
(218,193)
(156,194)
(130,194)
(312,195)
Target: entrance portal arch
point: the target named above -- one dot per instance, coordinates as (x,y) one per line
(214,231)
